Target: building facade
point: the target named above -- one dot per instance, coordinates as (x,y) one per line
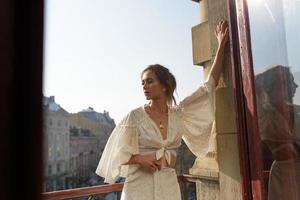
(99,124)
(73,144)
(83,157)
(56,145)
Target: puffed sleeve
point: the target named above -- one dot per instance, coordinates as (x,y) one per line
(197,117)
(121,145)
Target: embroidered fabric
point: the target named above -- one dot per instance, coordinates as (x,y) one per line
(191,120)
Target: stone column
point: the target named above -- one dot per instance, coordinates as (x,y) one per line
(219,172)
(207,166)
(206,169)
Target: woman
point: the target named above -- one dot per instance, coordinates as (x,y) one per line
(279,128)
(143,146)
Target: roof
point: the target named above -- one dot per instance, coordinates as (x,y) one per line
(91,114)
(49,105)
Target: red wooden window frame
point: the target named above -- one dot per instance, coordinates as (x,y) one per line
(243,83)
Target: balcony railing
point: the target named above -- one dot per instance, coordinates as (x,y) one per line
(98,190)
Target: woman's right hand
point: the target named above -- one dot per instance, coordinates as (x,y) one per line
(222,33)
(147,161)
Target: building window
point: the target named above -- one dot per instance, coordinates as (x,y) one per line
(58,168)
(50,152)
(66,123)
(50,122)
(59,123)
(71,164)
(49,169)
(58,152)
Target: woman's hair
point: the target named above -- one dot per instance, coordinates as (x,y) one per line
(276,80)
(166,78)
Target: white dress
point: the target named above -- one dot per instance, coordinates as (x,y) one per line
(192,120)
(275,129)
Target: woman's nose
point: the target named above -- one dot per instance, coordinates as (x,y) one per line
(145,86)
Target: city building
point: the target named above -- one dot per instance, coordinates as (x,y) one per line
(83,157)
(56,145)
(99,124)
(73,144)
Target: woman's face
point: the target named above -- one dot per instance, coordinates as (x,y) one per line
(152,88)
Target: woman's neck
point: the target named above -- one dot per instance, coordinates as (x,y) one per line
(159,104)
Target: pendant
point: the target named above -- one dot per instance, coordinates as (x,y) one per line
(160,125)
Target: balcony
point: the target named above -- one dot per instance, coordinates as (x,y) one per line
(102,190)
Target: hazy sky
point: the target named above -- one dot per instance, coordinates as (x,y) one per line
(275,33)
(275,36)
(95,50)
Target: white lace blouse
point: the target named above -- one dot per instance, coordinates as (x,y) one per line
(192,120)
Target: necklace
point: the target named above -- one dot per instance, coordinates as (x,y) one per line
(161,111)
(161,126)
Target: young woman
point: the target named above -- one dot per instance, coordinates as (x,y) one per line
(143,146)
(279,128)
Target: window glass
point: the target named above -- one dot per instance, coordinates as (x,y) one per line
(275,43)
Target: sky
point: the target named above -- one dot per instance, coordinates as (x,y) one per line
(275,36)
(95,51)
(275,33)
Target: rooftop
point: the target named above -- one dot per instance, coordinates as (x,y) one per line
(49,105)
(91,114)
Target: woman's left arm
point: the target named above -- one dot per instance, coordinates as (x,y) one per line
(222,35)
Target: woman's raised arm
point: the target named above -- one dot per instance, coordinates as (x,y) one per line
(222,35)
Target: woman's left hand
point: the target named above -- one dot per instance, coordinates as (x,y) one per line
(221,32)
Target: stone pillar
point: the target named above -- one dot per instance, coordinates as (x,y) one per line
(219,172)
(203,11)
(208,166)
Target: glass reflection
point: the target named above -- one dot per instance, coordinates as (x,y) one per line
(275,41)
(278,125)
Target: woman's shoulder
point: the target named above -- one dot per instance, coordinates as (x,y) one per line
(176,110)
(137,113)
(133,117)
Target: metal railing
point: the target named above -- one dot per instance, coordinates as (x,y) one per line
(98,190)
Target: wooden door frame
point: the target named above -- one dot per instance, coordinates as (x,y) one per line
(21,65)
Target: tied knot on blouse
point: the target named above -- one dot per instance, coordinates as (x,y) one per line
(163,152)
